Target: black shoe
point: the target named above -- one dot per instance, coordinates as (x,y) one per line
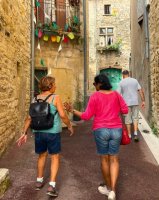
(136,138)
(51,191)
(39,185)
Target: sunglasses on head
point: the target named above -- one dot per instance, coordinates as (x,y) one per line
(94,84)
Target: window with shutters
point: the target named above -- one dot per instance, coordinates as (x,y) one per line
(106,35)
(59,13)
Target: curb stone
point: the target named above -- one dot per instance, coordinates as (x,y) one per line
(4,181)
(151,140)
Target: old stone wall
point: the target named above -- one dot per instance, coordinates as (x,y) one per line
(14,68)
(119,19)
(66,66)
(154,55)
(140,66)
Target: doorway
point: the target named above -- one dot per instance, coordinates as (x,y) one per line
(39,73)
(114,75)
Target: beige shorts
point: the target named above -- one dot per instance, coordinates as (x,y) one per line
(133,115)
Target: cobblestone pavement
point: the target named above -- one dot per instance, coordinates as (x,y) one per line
(79,173)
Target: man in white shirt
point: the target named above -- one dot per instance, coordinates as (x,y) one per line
(129,89)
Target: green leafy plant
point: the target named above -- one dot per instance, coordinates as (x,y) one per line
(113,47)
(116,46)
(154,128)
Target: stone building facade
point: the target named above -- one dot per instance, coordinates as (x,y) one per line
(140,50)
(62,55)
(14,68)
(108,37)
(145,54)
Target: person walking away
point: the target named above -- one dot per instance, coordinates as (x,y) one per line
(105,107)
(48,141)
(129,89)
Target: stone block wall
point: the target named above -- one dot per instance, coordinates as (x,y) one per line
(154,58)
(140,66)
(66,66)
(14,68)
(119,19)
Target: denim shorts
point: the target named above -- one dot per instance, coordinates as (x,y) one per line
(108,140)
(47,142)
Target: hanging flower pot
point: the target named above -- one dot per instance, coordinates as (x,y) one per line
(71,35)
(40,34)
(46,38)
(53,38)
(36,32)
(65,40)
(58,38)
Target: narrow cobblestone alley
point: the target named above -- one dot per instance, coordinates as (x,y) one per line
(80,174)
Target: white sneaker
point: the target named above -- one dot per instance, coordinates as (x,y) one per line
(112,195)
(103,189)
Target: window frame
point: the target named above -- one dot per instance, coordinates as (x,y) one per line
(107,35)
(109,8)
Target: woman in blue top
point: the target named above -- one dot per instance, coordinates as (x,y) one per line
(48,141)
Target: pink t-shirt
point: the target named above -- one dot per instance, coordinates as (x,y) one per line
(106,109)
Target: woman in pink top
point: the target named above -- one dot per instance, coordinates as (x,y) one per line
(105,106)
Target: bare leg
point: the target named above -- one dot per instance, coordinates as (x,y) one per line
(128,126)
(55,162)
(114,170)
(135,123)
(41,164)
(106,169)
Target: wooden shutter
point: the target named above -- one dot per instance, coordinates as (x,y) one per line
(41,11)
(61,13)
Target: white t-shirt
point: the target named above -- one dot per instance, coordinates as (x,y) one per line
(128,88)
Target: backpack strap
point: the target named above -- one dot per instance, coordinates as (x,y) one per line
(42,100)
(52,103)
(48,97)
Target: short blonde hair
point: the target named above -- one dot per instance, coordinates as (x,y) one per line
(46,83)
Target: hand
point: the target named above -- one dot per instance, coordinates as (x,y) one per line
(143,104)
(68,106)
(70,128)
(21,140)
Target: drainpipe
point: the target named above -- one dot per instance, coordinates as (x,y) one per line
(147,31)
(32,52)
(85,53)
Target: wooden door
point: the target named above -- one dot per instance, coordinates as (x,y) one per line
(114,75)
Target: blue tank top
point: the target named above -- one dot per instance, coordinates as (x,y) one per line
(57,127)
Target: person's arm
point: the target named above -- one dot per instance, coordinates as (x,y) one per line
(142,96)
(23,137)
(63,116)
(69,108)
(87,114)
